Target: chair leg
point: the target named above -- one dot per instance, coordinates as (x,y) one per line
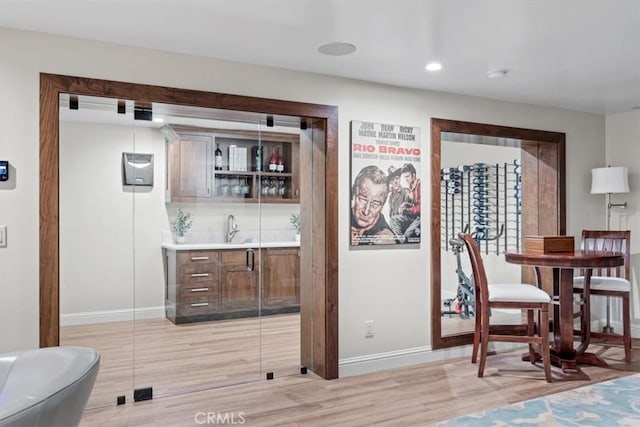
(531,333)
(626,327)
(476,333)
(484,341)
(544,344)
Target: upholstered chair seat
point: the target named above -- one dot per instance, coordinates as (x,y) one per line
(518,292)
(604,283)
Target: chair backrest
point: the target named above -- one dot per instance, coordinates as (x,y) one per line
(477,267)
(609,241)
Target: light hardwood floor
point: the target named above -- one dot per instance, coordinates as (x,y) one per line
(417,395)
(179,358)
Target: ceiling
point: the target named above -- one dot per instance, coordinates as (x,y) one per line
(579,55)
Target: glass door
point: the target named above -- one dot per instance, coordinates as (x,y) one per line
(180,244)
(96,239)
(280,239)
(197,251)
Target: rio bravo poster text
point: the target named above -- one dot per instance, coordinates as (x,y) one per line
(385,185)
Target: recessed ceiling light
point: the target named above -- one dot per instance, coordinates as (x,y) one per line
(497,74)
(337,49)
(434,66)
(158,119)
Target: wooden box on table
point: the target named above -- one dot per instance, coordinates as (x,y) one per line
(548,244)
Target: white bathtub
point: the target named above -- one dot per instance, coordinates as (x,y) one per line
(47,386)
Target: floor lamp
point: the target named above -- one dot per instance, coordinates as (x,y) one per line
(610,180)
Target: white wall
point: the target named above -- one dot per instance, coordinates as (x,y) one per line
(623,149)
(390,287)
(102,222)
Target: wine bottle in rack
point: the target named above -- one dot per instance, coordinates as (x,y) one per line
(273,161)
(279,161)
(218,158)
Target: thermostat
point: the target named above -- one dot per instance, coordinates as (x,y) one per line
(4,170)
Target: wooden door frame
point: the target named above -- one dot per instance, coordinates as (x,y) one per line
(324,327)
(453,126)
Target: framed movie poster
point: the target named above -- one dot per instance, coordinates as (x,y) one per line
(385,186)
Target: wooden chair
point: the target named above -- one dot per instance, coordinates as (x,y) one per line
(610,282)
(509,296)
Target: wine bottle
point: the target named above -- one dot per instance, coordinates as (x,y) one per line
(218,158)
(279,162)
(273,161)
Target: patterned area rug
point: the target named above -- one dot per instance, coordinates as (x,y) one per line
(610,403)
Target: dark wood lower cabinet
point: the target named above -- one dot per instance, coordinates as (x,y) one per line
(207,285)
(239,276)
(280,278)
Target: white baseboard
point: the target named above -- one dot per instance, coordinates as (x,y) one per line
(412,356)
(89,317)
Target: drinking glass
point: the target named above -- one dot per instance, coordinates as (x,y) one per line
(273,186)
(225,188)
(245,187)
(236,189)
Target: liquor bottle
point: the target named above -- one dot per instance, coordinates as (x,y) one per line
(257,153)
(273,160)
(279,162)
(218,158)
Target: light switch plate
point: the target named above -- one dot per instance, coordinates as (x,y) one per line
(3,236)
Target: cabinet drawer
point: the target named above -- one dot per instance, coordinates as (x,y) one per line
(200,278)
(239,257)
(198,293)
(195,308)
(198,257)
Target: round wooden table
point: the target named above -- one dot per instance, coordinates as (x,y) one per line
(563,353)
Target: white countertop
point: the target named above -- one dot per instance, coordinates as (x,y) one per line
(203,246)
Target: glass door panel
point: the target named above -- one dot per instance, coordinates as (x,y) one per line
(280,272)
(96,244)
(197,252)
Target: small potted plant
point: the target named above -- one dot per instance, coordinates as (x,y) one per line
(181,225)
(294,219)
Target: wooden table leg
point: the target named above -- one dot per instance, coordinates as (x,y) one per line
(585,319)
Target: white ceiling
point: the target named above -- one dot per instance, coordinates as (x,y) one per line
(581,55)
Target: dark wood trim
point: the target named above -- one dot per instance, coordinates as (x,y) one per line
(331,242)
(52,85)
(49,226)
(520,136)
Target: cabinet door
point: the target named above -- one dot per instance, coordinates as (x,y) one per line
(281,272)
(239,280)
(194,167)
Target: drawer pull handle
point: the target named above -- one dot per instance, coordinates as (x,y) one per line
(199,274)
(199,304)
(199,289)
(199,258)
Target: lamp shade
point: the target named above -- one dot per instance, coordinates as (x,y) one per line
(610,180)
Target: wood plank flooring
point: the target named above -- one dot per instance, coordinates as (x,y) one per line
(416,395)
(180,358)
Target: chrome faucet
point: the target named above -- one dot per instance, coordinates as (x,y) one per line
(232,228)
